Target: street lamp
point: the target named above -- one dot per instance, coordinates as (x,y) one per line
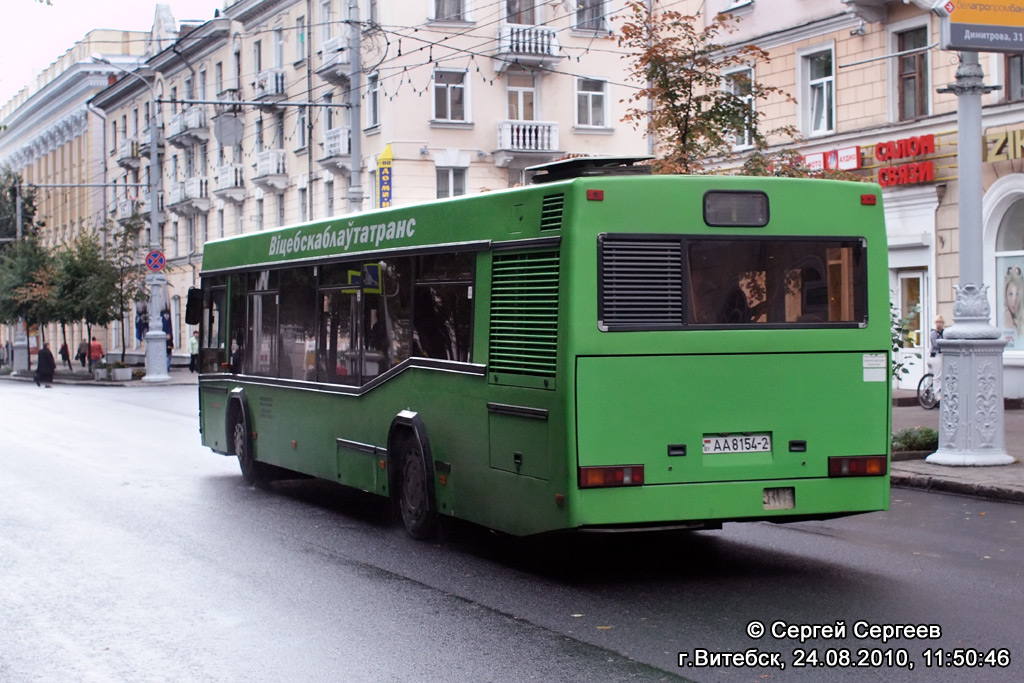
(156,349)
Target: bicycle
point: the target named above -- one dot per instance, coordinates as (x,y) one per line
(926,394)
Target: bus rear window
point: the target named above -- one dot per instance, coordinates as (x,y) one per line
(660,282)
(787,282)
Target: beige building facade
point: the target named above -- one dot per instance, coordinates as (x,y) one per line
(268,116)
(864,77)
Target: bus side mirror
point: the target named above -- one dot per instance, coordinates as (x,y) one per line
(194,306)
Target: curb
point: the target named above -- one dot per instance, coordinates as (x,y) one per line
(928,483)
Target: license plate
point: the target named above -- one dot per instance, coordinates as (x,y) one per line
(738,443)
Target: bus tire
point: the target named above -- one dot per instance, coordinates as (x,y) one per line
(415,499)
(254,473)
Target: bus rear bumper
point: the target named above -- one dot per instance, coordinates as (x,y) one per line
(709,504)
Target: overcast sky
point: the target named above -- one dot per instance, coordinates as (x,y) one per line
(33,35)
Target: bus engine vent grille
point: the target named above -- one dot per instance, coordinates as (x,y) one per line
(551,212)
(641,284)
(524,313)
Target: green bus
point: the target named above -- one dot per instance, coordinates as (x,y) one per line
(601,350)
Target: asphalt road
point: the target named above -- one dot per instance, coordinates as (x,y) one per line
(130,553)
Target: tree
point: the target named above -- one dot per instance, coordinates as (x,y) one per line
(84,283)
(26,284)
(129,276)
(9,181)
(701,100)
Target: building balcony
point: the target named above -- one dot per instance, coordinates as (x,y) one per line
(188,127)
(230,185)
(335,65)
(226,96)
(190,197)
(270,86)
(128,154)
(528,46)
(144,142)
(271,173)
(529,142)
(338,150)
(127,209)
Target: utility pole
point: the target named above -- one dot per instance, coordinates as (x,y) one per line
(355,188)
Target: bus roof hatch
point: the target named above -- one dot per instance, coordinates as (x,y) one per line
(580,167)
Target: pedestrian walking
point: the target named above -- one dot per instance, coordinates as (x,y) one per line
(95,352)
(65,355)
(193,352)
(935,353)
(83,352)
(45,366)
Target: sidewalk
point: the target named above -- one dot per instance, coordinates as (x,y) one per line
(1003,483)
(179,375)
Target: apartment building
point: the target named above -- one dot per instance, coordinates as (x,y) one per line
(283,111)
(53,139)
(866,78)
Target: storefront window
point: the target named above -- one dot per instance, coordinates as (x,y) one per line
(1009,268)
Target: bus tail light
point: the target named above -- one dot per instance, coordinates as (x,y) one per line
(858,466)
(598,477)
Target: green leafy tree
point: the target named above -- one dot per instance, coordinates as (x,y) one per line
(129,276)
(27,276)
(698,108)
(84,284)
(9,181)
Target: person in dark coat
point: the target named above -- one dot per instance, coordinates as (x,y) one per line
(65,355)
(45,366)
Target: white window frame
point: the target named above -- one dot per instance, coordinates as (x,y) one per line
(300,129)
(467,11)
(450,173)
(589,95)
(807,87)
(448,88)
(594,7)
(747,140)
(300,39)
(373,100)
(326,20)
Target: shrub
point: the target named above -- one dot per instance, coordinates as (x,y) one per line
(915,439)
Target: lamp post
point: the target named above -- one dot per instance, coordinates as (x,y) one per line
(156,349)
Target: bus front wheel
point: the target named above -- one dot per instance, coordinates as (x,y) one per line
(414,491)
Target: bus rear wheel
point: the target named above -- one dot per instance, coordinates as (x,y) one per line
(414,500)
(253,473)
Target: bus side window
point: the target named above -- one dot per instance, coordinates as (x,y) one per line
(211,344)
(442,325)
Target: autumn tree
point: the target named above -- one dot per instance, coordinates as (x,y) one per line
(702,103)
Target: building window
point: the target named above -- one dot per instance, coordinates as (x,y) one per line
(326,17)
(590,103)
(1014,77)
(220,223)
(259,214)
(740,84)
(300,42)
(449,96)
(590,15)
(329,198)
(451,182)
(280,209)
(300,128)
(374,189)
(521,12)
(303,198)
(520,92)
(820,89)
(373,101)
(1010,276)
(449,10)
(278,47)
(913,73)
